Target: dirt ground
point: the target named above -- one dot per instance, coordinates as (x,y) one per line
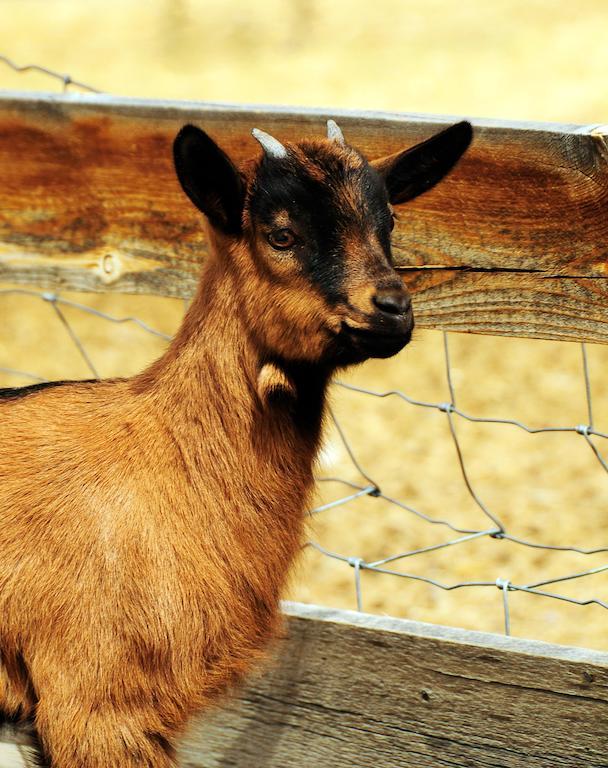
(527,60)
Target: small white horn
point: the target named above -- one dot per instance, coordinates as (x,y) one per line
(334,133)
(271,146)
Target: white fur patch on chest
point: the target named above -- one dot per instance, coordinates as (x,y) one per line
(272,380)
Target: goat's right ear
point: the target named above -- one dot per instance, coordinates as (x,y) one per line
(209,178)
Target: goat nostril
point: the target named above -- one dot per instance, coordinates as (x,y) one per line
(392,301)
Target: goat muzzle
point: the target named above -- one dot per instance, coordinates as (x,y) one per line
(384,333)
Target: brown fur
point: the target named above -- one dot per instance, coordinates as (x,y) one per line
(141,569)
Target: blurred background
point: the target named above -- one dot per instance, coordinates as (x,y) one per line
(514,59)
(524,59)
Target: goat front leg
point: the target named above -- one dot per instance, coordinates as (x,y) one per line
(101,737)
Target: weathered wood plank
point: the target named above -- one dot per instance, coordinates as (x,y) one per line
(347,689)
(511,304)
(89,201)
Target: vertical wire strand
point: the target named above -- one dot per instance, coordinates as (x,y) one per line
(355,562)
(448,368)
(587,385)
(503,585)
(467,482)
(74,337)
(448,411)
(351,454)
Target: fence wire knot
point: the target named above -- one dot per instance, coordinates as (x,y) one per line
(504,584)
(583,429)
(446,407)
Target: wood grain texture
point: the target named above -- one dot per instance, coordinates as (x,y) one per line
(511,304)
(514,242)
(353,690)
(347,689)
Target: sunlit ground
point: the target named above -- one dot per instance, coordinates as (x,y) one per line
(510,59)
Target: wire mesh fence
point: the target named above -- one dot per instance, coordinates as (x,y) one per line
(496,529)
(65,79)
(455,537)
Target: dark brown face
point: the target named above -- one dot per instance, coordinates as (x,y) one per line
(323,214)
(309,228)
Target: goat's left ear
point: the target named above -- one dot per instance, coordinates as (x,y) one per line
(209,178)
(413,171)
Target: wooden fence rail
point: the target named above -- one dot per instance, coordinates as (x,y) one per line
(348,690)
(514,242)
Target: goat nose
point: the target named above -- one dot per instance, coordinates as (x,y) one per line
(393,301)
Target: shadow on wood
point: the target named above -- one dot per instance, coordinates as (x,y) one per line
(349,689)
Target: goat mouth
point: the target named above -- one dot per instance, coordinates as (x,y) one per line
(372,333)
(377,343)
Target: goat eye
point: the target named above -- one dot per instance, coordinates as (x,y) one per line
(281,239)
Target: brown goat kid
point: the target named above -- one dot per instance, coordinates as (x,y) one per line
(147,525)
